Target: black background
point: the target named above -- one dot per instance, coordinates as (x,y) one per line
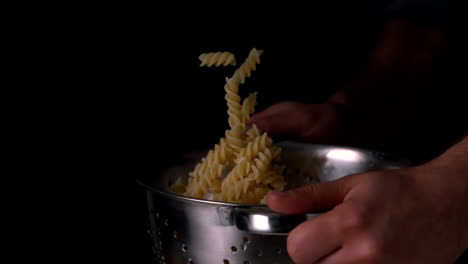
(138,88)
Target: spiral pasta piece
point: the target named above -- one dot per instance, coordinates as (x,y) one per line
(241,168)
(239,172)
(206,173)
(260,192)
(248,107)
(234,183)
(198,187)
(253,133)
(259,144)
(248,198)
(233,102)
(219,155)
(234,136)
(234,139)
(261,165)
(217,59)
(232,87)
(273,180)
(250,65)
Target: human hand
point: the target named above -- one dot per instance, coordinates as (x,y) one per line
(318,123)
(396,216)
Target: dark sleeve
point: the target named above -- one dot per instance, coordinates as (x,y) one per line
(425,12)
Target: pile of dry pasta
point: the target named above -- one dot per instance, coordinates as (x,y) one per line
(242,167)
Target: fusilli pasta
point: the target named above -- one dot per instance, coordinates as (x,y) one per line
(205,175)
(248,107)
(250,65)
(246,159)
(259,144)
(217,59)
(233,102)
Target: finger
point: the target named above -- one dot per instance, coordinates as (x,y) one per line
(355,251)
(314,239)
(340,256)
(309,198)
(281,107)
(278,124)
(352,252)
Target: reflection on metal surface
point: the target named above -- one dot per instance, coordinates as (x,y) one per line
(260,222)
(265,222)
(344,154)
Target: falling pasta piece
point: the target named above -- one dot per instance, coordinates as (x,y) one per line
(217,59)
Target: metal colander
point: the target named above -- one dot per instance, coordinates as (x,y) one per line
(193,231)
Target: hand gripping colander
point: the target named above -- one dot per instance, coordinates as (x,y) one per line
(194,231)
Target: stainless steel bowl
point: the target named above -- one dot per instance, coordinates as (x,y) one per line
(186,230)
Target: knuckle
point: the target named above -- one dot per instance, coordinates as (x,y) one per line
(355,218)
(370,251)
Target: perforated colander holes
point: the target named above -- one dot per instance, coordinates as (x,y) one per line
(184,248)
(225,261)
(175,235)
(190,261)
(233,249)
(166,222)
(278,251)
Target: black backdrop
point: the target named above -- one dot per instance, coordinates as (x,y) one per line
(150,100)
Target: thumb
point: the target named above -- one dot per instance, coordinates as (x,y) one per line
(309,198)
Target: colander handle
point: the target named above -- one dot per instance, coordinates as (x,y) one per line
(267,222)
